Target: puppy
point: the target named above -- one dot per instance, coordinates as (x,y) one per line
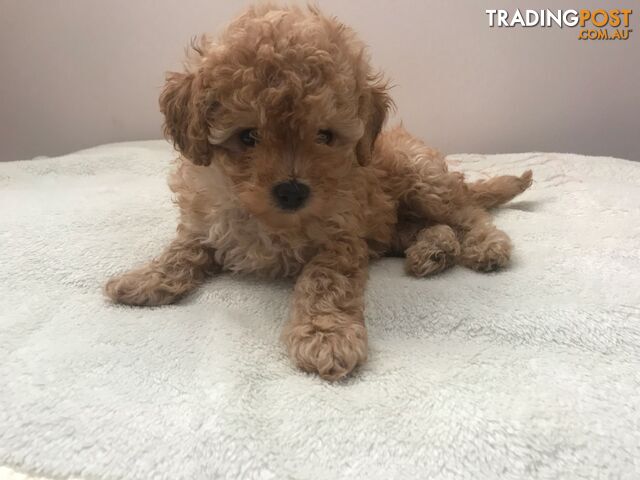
(284,171)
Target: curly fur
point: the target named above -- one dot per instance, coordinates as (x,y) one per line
(288,73)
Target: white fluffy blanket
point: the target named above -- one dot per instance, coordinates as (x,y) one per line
(531,372)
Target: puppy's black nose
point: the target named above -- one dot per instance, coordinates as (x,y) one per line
(290,195)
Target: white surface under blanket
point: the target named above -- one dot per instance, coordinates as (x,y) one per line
(530,372)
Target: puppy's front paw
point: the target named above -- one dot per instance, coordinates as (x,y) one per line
(330,349)
(141,287)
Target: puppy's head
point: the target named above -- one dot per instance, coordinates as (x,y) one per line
(285,105)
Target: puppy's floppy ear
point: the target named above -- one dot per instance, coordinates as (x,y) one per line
(374,105)
(185,109)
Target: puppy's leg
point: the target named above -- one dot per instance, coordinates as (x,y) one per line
(484,247)
(183,265)
(326,332)
(495,191)
(435,248)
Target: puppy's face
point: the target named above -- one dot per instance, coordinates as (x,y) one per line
(285,106)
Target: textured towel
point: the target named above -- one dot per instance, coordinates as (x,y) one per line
(531,372)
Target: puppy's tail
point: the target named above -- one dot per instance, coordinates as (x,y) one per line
(498,190)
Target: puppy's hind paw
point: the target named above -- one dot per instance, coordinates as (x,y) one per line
(525,180)
(423,260)
(435,250)
(492,253)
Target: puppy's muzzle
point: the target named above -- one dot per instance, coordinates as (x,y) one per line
(290,195)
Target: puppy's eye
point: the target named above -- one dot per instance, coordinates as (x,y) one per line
(324,137)
(249,137)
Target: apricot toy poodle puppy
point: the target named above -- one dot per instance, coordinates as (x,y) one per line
(284,171)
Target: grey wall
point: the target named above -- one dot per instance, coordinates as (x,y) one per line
(77,73)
